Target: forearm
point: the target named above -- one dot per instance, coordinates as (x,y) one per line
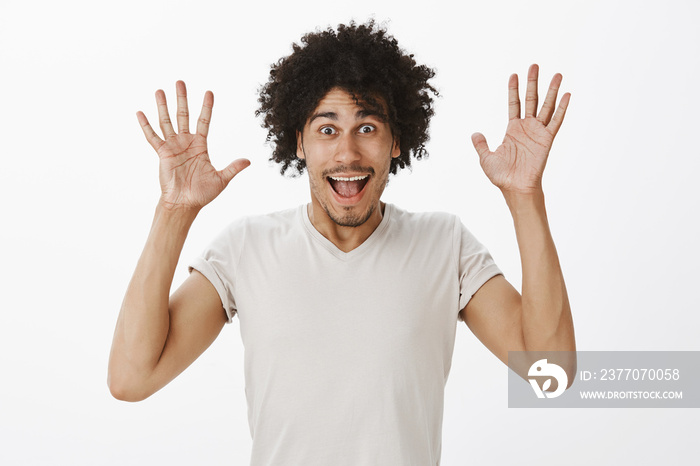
(144,321)
(546,315)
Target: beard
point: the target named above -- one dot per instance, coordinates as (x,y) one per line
(350,219)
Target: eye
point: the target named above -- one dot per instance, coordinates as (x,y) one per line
(327,130)
(364,129)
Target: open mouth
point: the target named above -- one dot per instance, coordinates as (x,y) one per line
(348,186)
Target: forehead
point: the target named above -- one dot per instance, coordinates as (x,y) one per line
(338,103)
(337,98)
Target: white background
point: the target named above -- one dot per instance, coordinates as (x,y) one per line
(79,185)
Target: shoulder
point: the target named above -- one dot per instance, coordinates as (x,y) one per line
(436,228)
(274,221)
(425,222)
(253,228)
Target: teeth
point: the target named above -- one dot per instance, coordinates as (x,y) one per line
(351,178)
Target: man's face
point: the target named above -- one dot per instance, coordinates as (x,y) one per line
(348,151)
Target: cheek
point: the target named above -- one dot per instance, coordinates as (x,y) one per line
(376,149)
(315,151)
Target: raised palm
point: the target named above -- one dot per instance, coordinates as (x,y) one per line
(187,178)
(516,166)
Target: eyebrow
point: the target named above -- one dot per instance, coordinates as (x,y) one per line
(363,113)
(330,115)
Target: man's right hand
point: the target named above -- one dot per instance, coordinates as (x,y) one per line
(188,181)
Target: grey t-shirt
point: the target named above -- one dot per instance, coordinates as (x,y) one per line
(346,354)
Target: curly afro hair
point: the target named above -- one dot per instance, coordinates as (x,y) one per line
(366,62)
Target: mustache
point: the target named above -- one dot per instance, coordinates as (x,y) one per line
(348,168)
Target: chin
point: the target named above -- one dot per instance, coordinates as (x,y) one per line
(350,219)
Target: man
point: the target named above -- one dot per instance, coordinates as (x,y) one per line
(348,306)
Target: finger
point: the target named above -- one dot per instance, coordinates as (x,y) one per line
(234,169)
(480,144)
(558,117)
(550,101)
(151,135)
(166,125)
(531,93)
(205,115)
(183,115)
(513,97)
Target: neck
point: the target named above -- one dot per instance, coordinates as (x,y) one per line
(343,237)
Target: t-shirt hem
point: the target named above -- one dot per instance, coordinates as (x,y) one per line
(205,268)
(477,282)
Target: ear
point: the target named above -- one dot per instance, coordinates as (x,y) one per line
(396,150)
(300,146)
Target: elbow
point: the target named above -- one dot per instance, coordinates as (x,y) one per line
(123,394)
(124,390)
(569,364)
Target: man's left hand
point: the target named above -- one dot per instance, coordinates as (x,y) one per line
(516,166)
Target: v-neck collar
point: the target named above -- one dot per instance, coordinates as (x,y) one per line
(332,248)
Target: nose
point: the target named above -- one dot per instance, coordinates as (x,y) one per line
(347,150)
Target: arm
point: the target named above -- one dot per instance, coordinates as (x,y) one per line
(540,319)
(157,336)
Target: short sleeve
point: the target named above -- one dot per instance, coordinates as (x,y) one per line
(218,263)
(475,264)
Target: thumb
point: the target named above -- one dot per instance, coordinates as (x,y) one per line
(233,169)
(480,144)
